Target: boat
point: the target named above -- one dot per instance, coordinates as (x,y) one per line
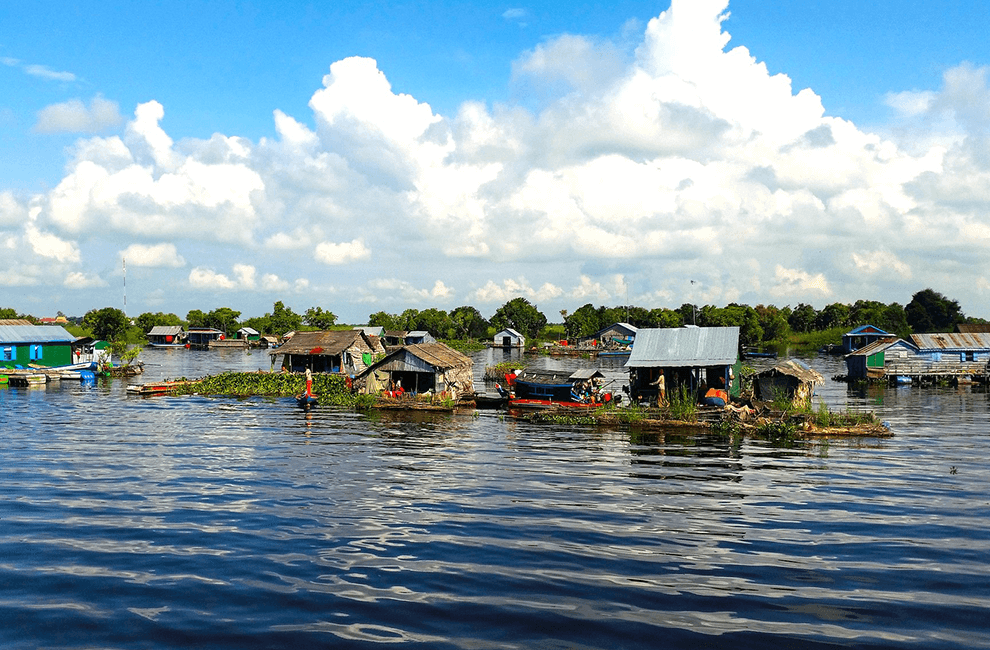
(546,389)
(156,388)
(307,401)
(759,354)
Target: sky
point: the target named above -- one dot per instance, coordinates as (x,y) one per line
(380,156)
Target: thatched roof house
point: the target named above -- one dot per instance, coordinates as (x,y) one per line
(338,351)
(420,368)
(791,380)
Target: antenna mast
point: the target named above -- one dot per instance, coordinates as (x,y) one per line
(123,263)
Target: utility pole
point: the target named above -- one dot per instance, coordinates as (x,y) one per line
(123,263)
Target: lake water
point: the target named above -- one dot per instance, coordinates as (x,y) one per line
(130,522)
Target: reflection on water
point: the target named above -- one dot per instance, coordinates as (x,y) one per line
(135,522)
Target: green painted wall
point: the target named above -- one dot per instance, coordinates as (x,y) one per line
(52,354)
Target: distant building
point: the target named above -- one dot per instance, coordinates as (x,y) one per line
(166,336)
(861,337)
(509,338)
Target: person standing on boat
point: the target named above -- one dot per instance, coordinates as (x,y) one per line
(309,383)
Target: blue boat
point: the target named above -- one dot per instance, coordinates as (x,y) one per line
(306,401)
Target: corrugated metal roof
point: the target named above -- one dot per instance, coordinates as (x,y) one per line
(510,331)
(973,328)
(165,330)
(952,341)
(877,346)
(250,331)
(685,347)
(331,342)
(34,334)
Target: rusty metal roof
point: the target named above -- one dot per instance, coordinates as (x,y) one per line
(690,347)
(952,341)
(327,342)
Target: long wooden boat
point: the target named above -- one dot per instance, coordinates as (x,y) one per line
(156,388)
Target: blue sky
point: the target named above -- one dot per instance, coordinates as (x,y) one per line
(566,152)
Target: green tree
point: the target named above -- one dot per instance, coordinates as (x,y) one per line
(262,324)
(774,323)
(930,311)
(834,315)
(148,320)
(383,319)
(223,319)
(664,318)
(583,322)
(803,318)
(108,324)
(316,317)
(468,323)
(436,322)
(520,315)
(283,319)
(7,312)
(196,318)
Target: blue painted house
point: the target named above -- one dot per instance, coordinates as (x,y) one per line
(863,336)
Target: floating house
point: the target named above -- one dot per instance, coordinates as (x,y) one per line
(249,334)
(166,336)
(345,352)
(616,334)
(509,338)
(925,358)
(419,368)
(791,380)
(869,362)
(41,345)
(393,338)
(199,338)
(862,336)
(688,357)
(417,337)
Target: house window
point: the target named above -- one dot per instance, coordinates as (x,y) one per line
(8,353)
(969,356)
(35,352)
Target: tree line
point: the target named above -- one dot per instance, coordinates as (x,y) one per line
(928,311)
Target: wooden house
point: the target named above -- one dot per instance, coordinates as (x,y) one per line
(508,338)
(688,358)
(419,368)
(419,336)
(616,334)
(791,380)
(166,336)
(869,362)
(345,352)
(861,337)
(249,334)
(41,345)
(199,338)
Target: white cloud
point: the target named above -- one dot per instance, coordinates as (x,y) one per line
(204,278)
(44,72)
(244,275)
(680,158)
(48,245)
(157,255)
(75,117)
(795,282)
(344,253)
(880,262)
(79,280)
(272,283)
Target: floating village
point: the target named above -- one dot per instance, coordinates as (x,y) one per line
(685,376)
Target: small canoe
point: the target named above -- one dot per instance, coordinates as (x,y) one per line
(306,401)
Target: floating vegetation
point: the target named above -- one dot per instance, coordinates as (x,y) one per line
(331,389)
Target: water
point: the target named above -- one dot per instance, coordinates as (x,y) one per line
(128,522)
